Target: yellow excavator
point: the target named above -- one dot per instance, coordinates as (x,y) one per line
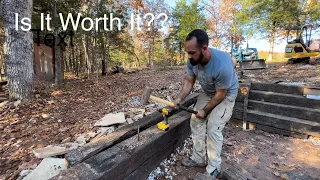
(298,48)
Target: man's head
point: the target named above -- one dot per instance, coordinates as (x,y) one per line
(196,46)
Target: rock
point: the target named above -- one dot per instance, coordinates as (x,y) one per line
(64,129)
(111,119)
(284,177)
(315,142)
(37,96)
(91,134)
(50,151)
(33,120)
(150,106)
(48,168)
(137,110)
(280,157)
(50,102)
(45,116)
(3,104)
(25,172)
(289,149)
(30,164)
(307,67)
(59,120)
(160,105)
(82,139)
(66,140)
(147,113)
(16,103)
(229,143)
(129,120)
(102,130)
(137,117)
(276,174)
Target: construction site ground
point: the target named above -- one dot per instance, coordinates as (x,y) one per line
(61,115)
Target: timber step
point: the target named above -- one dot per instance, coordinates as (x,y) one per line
(281,98)
(286,89)
(285,110)
(284,122)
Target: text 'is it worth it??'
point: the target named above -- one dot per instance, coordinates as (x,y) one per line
(88,24)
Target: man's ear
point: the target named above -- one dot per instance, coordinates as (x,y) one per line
(204,48)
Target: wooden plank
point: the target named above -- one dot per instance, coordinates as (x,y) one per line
(283,132)
(286,89)
(288,99)
(84,152)
(286,110)
(128,156)
(145,169)
(286,123)
(312,91)
(244,90)
(270,129)
(238,110)
(236,172)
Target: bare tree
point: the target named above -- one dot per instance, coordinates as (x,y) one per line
(58,76)
(18,49)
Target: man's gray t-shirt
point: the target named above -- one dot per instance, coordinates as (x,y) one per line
(219,73)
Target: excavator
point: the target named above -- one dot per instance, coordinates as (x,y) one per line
(298,45)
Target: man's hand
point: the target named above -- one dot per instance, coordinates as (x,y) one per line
(176,102)
(201,114)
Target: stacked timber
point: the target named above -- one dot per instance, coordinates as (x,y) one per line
(282,109)
(127,154)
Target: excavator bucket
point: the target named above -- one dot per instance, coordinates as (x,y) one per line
(253,64)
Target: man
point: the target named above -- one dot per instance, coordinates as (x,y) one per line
(215,72)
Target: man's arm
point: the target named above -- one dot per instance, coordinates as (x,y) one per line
(187,87)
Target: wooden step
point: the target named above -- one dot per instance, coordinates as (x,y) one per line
(288,99)
(286,89)
(285,110)
(237,110)
(283,122)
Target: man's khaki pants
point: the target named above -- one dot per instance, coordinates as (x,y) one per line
(213,125)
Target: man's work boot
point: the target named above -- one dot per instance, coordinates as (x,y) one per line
(207,176)
(191,163)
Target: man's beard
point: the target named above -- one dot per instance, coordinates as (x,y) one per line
(194,63)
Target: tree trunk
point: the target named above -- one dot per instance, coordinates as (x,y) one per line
(85,46)
(94,58)
(18,50)
(81,68)
(58,64)
(181,53)
(152,51)
(77,60)
(66,61)
(1,66)
(70,59)
(104,63)
(271,40)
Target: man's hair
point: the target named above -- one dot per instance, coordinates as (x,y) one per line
(201,35)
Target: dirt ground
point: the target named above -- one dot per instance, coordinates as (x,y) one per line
(63,114)
(266,156)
